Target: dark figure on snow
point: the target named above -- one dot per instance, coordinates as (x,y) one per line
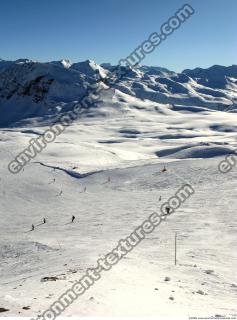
(44,220)
(164,169)
(84,190)
(32,227)
(167,209)
(160,198)
(73,218)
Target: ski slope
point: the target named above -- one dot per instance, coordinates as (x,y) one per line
(106,170)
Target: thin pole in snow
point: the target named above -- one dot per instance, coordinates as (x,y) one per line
(59,245)
(175,248)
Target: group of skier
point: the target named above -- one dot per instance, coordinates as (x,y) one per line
(44,221)
(167,209)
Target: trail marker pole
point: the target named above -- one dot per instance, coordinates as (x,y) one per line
(175,249)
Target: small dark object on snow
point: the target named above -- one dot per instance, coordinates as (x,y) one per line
(3,310)
(167,209)
(164,169)
(167,278)
(32,227)
(44,279)
(200,292)
(52,181)
(26,308)
(73,218)
(209,271)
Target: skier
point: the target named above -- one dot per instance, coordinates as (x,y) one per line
(44,220)
(164,169)
(60,193)
(107,181)
(84,190)
(73,218)
(160,198)
(32,227)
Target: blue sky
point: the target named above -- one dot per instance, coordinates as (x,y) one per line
(108,30)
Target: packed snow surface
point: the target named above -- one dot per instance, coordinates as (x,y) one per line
(106,169)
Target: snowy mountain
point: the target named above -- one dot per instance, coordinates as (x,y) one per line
(40,90)
(120,161)
(216,77)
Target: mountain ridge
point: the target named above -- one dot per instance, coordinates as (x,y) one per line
(39,89)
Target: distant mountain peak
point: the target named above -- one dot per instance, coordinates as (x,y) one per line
(215,77)
(40,89)
(19,61)
(66,63)
(90,68)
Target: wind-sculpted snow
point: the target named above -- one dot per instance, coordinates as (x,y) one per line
(111,168)
(196,151)
(36,90)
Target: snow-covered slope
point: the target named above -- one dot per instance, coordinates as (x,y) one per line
(216,77)
(203,283)
(106,169)
(32,89)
